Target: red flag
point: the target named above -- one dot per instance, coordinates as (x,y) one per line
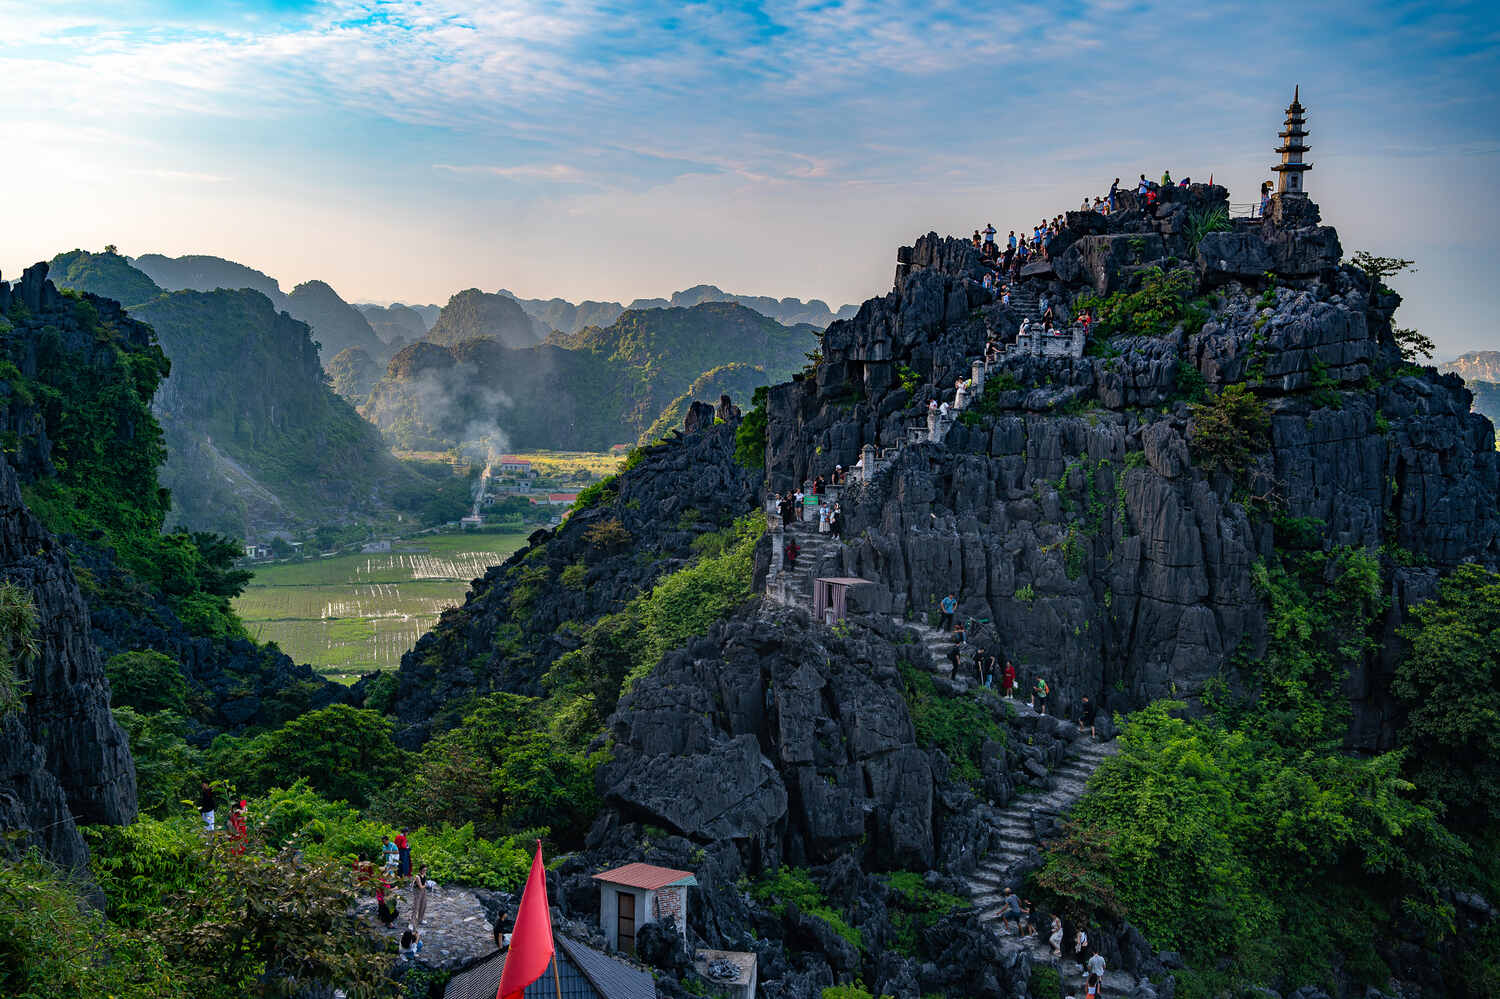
(531,940)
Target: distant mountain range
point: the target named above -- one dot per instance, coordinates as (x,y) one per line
(1480,370)
(1475,366)
(256,439)
(587,390)
(565,317)
(335,323)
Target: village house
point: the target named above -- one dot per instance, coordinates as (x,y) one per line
(511,465)
(636,894)
(561,499)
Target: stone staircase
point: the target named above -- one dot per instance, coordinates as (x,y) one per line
(1017,821)
(1025,298)
(819,555)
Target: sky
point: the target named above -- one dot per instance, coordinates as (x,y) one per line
(404,150)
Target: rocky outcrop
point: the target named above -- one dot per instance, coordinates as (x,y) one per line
(62,758)
(336,325)
(473,314)
(787,739)
(1072,517)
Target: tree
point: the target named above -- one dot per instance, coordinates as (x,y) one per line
(1450,684)
(1380,268)
(344,752)
(1413,345)
(274,925)
(1229,429)
(147,681)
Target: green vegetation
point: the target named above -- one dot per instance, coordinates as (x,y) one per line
(53,945)
(355,613)
(959,726)
(1450,685)
(585,683)
(18,644)
(750,435)
(794,886)
(986,409)
(1230,429)
(106,274)
(1205,221)
(1250,842)
(1162,302)
(147,681)
(1044,983)
(914,908)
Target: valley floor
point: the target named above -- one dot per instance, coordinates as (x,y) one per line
(354,613)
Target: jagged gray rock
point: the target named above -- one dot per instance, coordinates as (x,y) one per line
(62,757)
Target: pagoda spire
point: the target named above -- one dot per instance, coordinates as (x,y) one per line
(1291,168)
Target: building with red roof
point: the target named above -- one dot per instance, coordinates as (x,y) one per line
(641,893)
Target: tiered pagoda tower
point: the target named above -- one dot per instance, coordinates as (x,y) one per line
(1291,149)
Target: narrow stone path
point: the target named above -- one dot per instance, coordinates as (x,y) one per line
(819,555)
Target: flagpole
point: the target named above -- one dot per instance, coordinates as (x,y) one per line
(556,977)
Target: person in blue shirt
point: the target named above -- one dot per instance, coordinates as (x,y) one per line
(949,605)
(1012,241)
(1114,189)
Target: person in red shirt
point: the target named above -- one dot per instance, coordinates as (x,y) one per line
(1008,680)
(403,850)
(238,832)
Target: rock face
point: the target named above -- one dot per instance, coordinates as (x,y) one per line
(61,755)
(1072,517)
(785,739)
(56,344)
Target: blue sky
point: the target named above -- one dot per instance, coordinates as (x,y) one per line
(404,150)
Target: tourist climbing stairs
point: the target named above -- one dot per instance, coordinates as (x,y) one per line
(818,555)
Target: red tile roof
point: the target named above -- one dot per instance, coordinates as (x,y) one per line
(562,497)
(645,876)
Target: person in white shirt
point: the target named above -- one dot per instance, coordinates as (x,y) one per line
(799,504)
(989,233)
(1096,964)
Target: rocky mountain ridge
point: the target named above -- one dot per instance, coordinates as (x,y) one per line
(1074,515)
(565,317)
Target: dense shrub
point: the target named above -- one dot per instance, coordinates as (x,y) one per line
(146,681)
(1450,685)
(1229,429)
(343,751)
(1162,302)
(959,726)
(1226,844)
(794,886)
(54,946)
(750,435)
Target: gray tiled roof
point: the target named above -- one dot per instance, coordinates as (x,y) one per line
(585,973)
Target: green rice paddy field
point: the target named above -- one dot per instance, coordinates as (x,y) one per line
(355,613)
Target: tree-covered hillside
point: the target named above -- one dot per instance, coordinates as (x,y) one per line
(473,314)
(203,272)
(588,390)
(257,441)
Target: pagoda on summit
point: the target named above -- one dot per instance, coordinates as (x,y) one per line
(1291,149)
